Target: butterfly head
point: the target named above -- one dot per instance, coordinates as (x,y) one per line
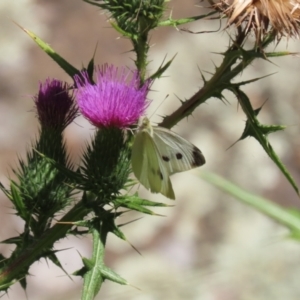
(145,126)
(145,123)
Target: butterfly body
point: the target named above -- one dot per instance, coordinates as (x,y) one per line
(158,153)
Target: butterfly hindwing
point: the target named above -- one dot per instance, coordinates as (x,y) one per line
(147,166)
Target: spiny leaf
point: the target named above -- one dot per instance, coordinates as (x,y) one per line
(136,199)
(259,134)
(81,272)
(139,208)
(88,263)
(239,84)
(91,67)
(5,191)
(162,69)
(265,129)
(2,261)
(94,3)
(23,283)
(138,204)
(109,274)
(113,228)
(6,286)
(14,240)
(18,202)
(123,32)
(67,67)
(55,260)
(175,23)
(280,53)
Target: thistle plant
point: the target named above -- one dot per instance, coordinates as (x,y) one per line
(56,198)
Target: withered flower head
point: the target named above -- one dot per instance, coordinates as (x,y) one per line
(282,16)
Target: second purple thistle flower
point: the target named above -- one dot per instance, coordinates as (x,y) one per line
(115,100)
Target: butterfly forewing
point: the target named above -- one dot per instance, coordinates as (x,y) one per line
(147,166)
(177,154)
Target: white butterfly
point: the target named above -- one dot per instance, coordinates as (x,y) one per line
(157,153)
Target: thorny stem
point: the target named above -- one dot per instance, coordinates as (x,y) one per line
(141,48)
(219,81)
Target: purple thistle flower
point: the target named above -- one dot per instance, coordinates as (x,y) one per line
(116,100)
(55,106)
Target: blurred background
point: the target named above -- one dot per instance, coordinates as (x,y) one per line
(208,246)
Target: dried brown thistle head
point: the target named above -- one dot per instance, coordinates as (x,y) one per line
(259,16)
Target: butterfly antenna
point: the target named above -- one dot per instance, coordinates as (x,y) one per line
(158,106)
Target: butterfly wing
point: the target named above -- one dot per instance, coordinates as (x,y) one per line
(176,153)
(148,166)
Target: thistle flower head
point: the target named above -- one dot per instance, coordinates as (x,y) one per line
(281,16)
(55,105)
(115,100)
(130,13)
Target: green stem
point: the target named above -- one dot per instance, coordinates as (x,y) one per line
(94,278)
(141,47)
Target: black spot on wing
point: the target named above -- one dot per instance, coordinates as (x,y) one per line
(198,158)
(165,158)
(161,175)
(178,155)
(157,172)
